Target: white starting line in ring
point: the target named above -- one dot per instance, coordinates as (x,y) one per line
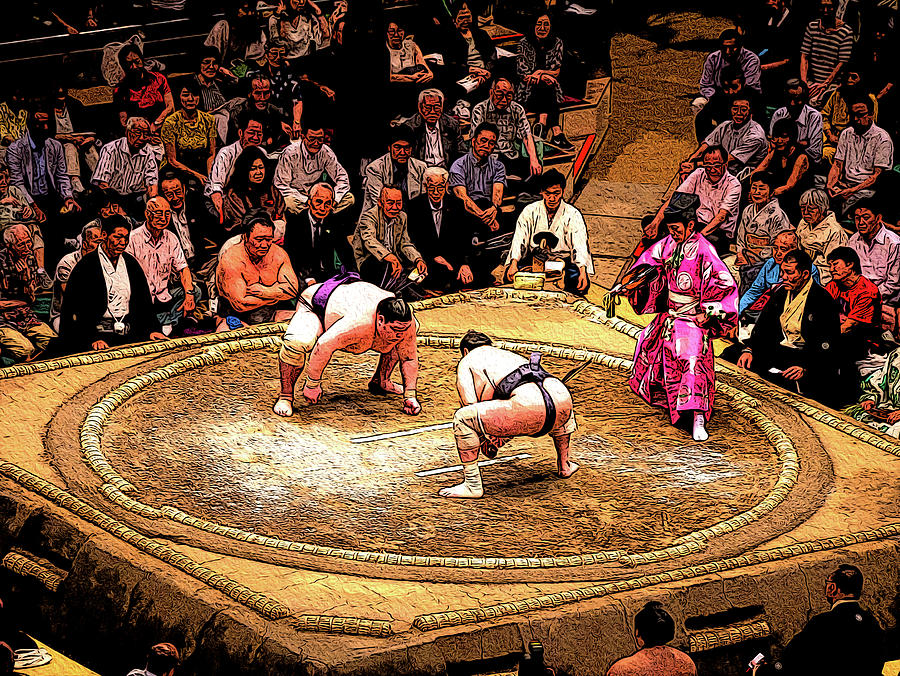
(482,463)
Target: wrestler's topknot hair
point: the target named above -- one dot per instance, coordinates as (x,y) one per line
(473,339)
(394,310)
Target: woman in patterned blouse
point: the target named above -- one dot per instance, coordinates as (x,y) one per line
(189,135)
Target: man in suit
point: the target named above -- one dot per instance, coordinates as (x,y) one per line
(795,340)
(437,139)
(439,231)
(37,166)
(190,220)
(107,300)
(843,640)
(396,168)
(381,241)
(315,239)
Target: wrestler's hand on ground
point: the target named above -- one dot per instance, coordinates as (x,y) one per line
(411,406)
(794,373)
(312,394)
(867,405)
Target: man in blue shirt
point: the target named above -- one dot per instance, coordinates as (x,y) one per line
(770,274)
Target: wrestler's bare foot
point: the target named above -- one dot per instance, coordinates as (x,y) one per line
(283,407)
(461,491)
(384,387)
(569,470)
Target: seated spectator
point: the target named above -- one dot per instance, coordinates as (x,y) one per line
(381,241)
(37,167)
(795,338)
(819,231)
(161,257)
(91,234)
(846,623)
(515,142)
(128,166)
(879,255)
(286,93)
(742,138)
(720,198)
(538,66)
(395,168)
(210,81)
(107,301)
(238,38)
(860,303)
(836,111)
(302,26)
(437,228)
(189,136)
(826,48)
(302,165)
(277,129)
(140,92)
(315,242)
(760,222)
(789,166)
(14,208)
(478,179)
(864,151)
(104,203)
(731,52)
(162,660)
(878,55)
(775,38)
(250,134)
(255,280)
(22,334)
(807,118)
(718,109)
(79,145)
(469,53)
(407,69)
(879,401)
(769,276)
(189,218)
(569,235)
(437,139)
(251,187)
(653,628)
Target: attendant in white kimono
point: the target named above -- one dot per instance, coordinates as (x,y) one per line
(760,222)
(567,237)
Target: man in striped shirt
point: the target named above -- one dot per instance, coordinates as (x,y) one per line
(128,166)
(827,47)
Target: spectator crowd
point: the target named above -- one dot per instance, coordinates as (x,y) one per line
(795,172)
(209,200)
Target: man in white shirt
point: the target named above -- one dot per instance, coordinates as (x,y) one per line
(720,200)
(864,152)
(250,133)
(569,235)
(301,166)
(162,259)
(878,249)
(128,166)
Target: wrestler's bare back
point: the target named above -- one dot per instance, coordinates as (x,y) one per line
(351,312)
(479,372)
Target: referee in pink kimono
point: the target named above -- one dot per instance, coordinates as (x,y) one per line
(695,300)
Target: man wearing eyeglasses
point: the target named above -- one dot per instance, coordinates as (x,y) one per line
(128,166)
(301,166)
(509,117)
(395,168)
(437,140)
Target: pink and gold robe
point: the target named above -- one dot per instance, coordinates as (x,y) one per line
(674,361)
